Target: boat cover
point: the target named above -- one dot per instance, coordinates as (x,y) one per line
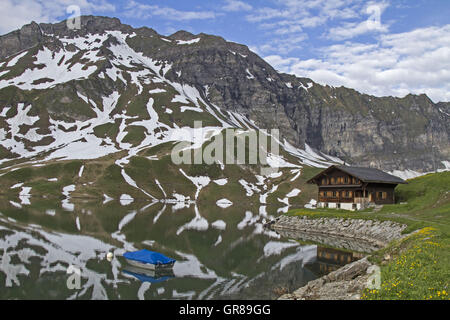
(146,256)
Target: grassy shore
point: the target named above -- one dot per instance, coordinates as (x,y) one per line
(417,266)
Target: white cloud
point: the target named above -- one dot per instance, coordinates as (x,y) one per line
(16,13)
(312,21)
(265,13)
(279,62)
(411,62)
(289,19)
(305,11)
(235,5)
(372,24)
(144,11)
(352,29)
(288,30)
(284,45)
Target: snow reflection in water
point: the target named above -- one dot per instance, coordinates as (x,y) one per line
(219,254)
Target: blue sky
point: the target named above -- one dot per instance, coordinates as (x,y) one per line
(380,47)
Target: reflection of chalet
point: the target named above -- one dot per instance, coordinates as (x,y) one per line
(354,187)
(329,259)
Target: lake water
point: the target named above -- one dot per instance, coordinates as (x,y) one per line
(220,253)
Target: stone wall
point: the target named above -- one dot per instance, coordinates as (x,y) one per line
(351,244)
(373,234)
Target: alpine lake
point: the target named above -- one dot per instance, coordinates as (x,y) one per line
(51,249)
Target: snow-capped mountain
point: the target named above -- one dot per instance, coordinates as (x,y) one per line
(101,104)
(389,133)
(113,100)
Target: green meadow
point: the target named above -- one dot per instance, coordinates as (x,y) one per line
(417,266)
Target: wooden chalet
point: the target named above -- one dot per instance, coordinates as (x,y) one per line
(354,188)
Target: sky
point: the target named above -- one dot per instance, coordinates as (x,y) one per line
(379,47)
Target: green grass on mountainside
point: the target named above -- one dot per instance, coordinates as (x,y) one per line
(417,266)
(135,135)
(307,191)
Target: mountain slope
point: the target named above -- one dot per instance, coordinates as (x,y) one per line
(91,115)
(71,76)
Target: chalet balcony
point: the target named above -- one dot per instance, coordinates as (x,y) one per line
(336,199)
(344,199)
(340,185)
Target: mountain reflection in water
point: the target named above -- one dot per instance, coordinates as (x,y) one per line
(220,253)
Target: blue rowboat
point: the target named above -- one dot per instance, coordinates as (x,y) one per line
(148,259)
(152,276)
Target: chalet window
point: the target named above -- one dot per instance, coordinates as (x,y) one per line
(346,180)
(334,193)
(381,195)
(347,193)
(324,181)
(324,193)
(332,180)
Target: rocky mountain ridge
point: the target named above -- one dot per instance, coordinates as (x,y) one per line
(389,133)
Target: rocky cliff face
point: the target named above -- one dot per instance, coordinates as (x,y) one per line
(389,133)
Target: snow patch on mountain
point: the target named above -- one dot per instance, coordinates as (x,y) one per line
(188,41)
(224,203)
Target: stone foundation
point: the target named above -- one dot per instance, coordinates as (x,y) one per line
(343,205)
(376,234)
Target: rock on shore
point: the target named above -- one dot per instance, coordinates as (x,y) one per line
(345,283)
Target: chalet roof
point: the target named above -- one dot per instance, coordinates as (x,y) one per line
(364,174)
